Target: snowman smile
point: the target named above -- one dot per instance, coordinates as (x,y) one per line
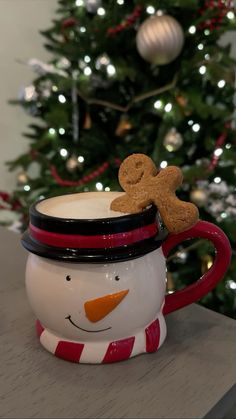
(85,330)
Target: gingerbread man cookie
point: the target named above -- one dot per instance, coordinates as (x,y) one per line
(143,185)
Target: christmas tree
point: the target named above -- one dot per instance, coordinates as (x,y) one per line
(137,76)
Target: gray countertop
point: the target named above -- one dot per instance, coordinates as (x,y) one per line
(193,375)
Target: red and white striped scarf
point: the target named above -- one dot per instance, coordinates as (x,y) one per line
(148,340)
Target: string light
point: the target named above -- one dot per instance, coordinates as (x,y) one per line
(218,152)
(230,15)
(159,13)
(27,188)
(99,186)
(107,189)
(158,104)
(209,264)
(52,131)
(102,60)
(61,98)
(82,29)
(101,11)
(111,70)
(81,159)
(63,152)
(202,69)
(223,215)
(190,122)
(87,71)
(87,59)
(221,84)
(228,146)
(54,88)
(150,10)
(79,3)
(200,46)
(207,57)
(168,107)
(217,179)
(61,131)
(181,255)
(120,2)
(232,284)
(192,29)
(196,127)
(206,32)
(163,164)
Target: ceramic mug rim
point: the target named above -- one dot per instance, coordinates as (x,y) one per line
(143,231)
(43,220)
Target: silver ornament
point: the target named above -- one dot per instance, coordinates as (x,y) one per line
(160,39)
(92,5)
(173,140)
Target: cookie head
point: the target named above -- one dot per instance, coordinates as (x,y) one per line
(135,170)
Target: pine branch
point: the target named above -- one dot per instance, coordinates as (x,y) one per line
(136,99)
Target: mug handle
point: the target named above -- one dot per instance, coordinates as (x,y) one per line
(193,292)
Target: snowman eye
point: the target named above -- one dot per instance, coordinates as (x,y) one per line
(117,278)
(68,278)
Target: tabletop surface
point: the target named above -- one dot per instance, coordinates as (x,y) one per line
(189,376)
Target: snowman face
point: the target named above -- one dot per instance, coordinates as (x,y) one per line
(96,302)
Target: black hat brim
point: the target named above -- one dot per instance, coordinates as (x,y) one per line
(117,254)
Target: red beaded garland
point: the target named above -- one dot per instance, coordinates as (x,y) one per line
(85,179)
(127,23)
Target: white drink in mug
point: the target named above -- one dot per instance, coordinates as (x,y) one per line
(96,279)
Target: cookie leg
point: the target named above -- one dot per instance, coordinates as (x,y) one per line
(177,215)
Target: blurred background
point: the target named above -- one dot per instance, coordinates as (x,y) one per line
(20,22)
(113,52)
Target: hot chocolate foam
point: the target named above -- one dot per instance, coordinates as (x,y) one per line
(85,205)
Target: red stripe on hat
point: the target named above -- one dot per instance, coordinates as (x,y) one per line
(39,328)
(152,336)
(119,350)
(100,241)
(69,351)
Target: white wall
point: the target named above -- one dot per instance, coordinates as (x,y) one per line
(20,22)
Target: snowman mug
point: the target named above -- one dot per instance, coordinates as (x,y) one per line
(96,279)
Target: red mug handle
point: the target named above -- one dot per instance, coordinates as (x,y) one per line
(193,292)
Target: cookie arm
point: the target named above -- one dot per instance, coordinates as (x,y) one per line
(125,204)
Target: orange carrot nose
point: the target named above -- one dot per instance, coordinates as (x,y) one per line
(97,309)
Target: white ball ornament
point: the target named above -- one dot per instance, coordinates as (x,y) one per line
(92,5)
(160,39)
